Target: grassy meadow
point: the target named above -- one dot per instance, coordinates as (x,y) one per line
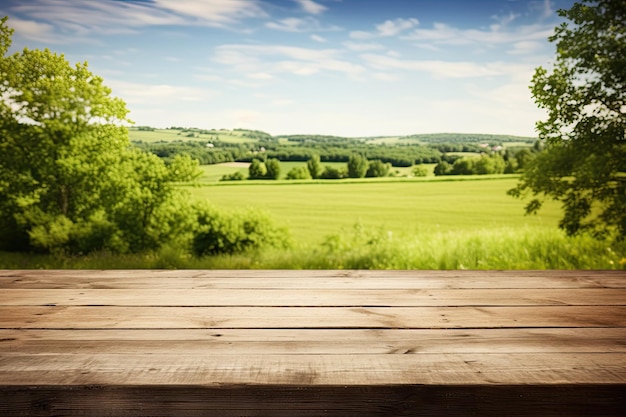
(313,210)
(391,223)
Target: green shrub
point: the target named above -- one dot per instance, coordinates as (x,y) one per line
(332,173)
(235,232)
(419,171)
(235,176)
(298,173)
(378,168)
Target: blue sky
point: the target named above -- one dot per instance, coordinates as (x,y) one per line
(340,67)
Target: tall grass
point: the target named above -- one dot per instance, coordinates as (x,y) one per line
(362,248)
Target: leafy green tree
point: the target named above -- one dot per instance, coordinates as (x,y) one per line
(257,170)
(69,180)
(523,156)
(463,166)
(443,168)
(377,168)
(314,166)
(489,164)
(583,163)
(273,169)
(357,166)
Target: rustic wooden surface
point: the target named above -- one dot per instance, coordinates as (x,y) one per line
(312,343)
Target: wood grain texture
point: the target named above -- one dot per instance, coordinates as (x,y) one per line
(106,317)
(314,401)
(351,280)
(312,343)
(313,297)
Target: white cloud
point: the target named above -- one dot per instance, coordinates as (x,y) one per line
(318,38)
(503,21)
(525,47)
(121,17)
(260,76)
(294,24)
(393,27)
(31,29)
(310,6)
(157,94)
(439,69)
(224,11)
(443,34)
(386,29)
(279,58)
(362,46)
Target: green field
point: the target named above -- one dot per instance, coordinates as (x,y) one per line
(173,135)
(404,223)
(313,210)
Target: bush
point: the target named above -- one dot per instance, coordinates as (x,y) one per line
(235,176)
(419,171)
(257,170)
(331,173)
(229,233)
(273,169)
(378,168)
(298,173)
(357,166)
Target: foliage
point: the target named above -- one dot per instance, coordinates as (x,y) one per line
(357,166)
(467,138)
(298,173)
(333,173)
(377,168)
(257,170)
(69,179)
(314,166)
(235,176)
(419,171)
(483,165)
(273,169)
(583,164)
(443,168)
(360,247)
(235,232)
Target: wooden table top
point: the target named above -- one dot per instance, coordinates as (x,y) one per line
(165,343)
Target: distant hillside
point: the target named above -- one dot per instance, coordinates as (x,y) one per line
(212,146)
(151,134)
(468,138)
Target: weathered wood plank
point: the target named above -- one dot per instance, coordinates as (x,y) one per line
(366,370)
(312,341)
(313,401)
(204,343)
(64,317)
(313,297)
(354,280)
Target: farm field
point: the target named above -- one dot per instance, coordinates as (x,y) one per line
(403,223)
(173,135)
(314,210)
